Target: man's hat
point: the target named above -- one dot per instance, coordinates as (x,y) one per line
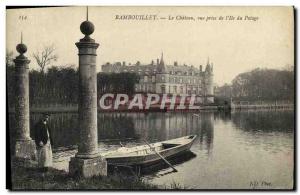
(46,114)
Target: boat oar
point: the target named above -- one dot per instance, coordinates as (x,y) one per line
(197,115)
(168,163)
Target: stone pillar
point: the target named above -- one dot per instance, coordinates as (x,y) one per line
(87,162)
(25,146)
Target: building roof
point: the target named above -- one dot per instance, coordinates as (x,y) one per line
(154,68)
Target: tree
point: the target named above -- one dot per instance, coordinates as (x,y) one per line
(9,58)
(117,83)
(264,84)
(44,58)
(10,78)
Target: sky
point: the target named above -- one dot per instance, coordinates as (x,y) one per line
(233,46)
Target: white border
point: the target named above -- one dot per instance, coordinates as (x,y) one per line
(106,2)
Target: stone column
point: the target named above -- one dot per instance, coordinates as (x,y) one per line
(87,162)
(25,146)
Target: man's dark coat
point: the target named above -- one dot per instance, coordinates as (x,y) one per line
(40,133)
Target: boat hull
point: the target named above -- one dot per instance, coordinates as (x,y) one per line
(150,158)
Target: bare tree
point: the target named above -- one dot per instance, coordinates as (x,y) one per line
(44,58)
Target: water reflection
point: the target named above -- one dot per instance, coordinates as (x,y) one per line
(233,147)
(266,121)
(162,126)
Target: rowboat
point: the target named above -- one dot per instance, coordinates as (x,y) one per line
(145,154)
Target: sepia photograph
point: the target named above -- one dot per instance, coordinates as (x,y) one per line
(181,98)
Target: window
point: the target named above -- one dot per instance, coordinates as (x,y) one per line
(181,89)
(163,89)
(153,79)
(175,89)
(199,90)
(145,78)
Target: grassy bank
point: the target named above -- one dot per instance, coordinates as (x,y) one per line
(31,179)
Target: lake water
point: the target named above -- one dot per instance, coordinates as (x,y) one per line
(248,149)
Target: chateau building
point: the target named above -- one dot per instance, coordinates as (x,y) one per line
(171,79)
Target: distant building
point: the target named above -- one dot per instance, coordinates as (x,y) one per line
(171,79)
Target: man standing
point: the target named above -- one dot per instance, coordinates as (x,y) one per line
(43,141)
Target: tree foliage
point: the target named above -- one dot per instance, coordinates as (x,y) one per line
(10,77)
(56,86)
(117,83)
(264,84)
(59,85)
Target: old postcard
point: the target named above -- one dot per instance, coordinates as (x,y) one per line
(150,98)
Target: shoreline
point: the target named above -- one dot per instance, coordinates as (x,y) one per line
(31,179)
(56,180)
(73,109)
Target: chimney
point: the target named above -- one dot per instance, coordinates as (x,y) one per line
(200,67)
(175,63)
(152,62)
(157,61)
(124,63)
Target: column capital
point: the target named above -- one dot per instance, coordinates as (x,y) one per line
(87,44)
(87,47)
(21,61)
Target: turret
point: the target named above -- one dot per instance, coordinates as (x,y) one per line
(161,68)
(209,67)
(162,77)
(209,81)
(200,68)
